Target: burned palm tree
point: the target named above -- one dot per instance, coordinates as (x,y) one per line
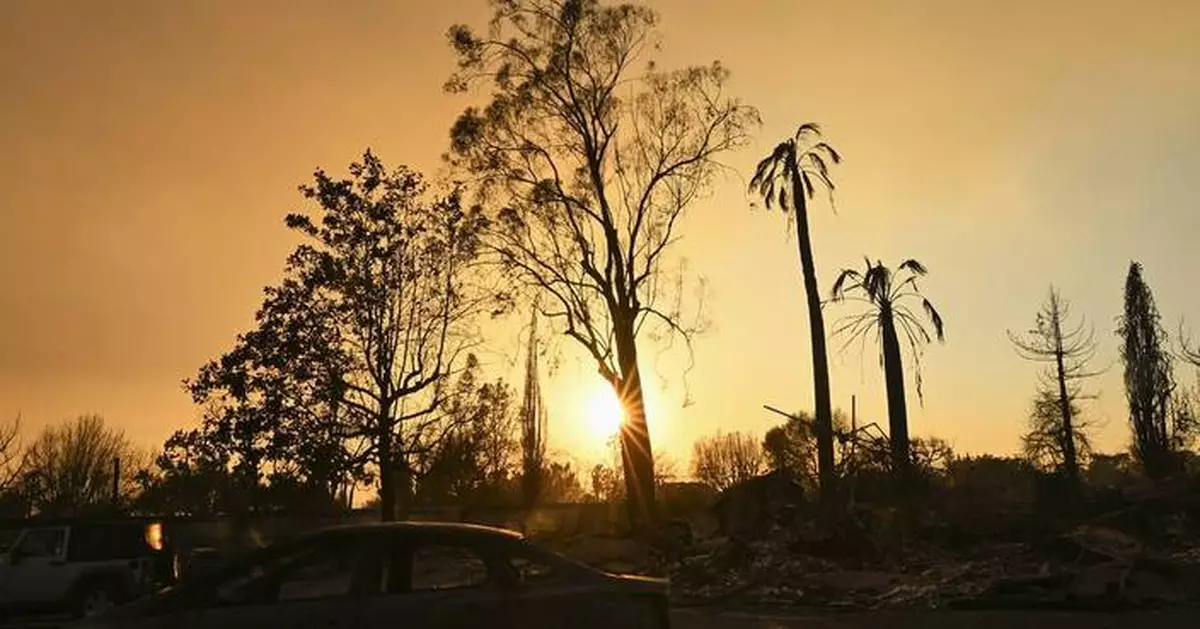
(787,176)
(886,294)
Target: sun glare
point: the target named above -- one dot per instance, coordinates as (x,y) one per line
(604,413)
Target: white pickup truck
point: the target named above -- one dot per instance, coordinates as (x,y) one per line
(82,566)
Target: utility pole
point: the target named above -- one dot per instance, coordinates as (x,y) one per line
(116,483)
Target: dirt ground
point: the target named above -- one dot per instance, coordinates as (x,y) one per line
(752,619)
(712,618)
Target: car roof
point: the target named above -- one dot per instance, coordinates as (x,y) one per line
(444,530)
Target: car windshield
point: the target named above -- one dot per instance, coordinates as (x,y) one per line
(532,560)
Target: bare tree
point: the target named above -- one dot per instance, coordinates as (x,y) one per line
(726,459)
(1055,433)
(1189,354)
(592,162)
(12,456)
(69,468)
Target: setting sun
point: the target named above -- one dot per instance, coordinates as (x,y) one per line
(604,412)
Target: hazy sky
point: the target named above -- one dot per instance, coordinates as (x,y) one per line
(149,150)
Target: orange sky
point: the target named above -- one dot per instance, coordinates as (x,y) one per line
(149,154)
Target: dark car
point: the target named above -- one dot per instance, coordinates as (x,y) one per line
(412,575)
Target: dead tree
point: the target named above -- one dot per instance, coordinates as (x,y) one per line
(1149,378)
(1067,350)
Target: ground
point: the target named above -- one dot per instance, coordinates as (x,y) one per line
(759,619)
(710,618)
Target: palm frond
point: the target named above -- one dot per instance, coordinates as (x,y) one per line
(767,172)
(907,288)
(918,379)
(913,329)
(833,154)
(820,168)
(807,129)
(838,292)
(936,318)
(914,267)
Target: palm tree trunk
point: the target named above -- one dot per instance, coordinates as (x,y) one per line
(816,326)
(637,457)
(893,370)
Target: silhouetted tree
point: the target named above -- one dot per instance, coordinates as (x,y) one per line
(591,163)
(607,480)
(792,446)
(560,483)
(533,424)
(606,483)
(787,176)
(392,269)
(726,459)
(69,467)
(13,501)
(1045,442)
(273,404)
(863,458)
(12,455)
(346,370)
(191,476)
(885,293)
(932,455)
(1189,355)
(1055,434)
(1185,421)
(1149,378)
(474,462)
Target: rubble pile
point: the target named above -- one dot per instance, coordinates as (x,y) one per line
(1094,566)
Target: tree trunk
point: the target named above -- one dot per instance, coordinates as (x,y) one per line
(893,370)
(405,498)
(1070,459)
(823,408)
(637,456)
(387,472)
